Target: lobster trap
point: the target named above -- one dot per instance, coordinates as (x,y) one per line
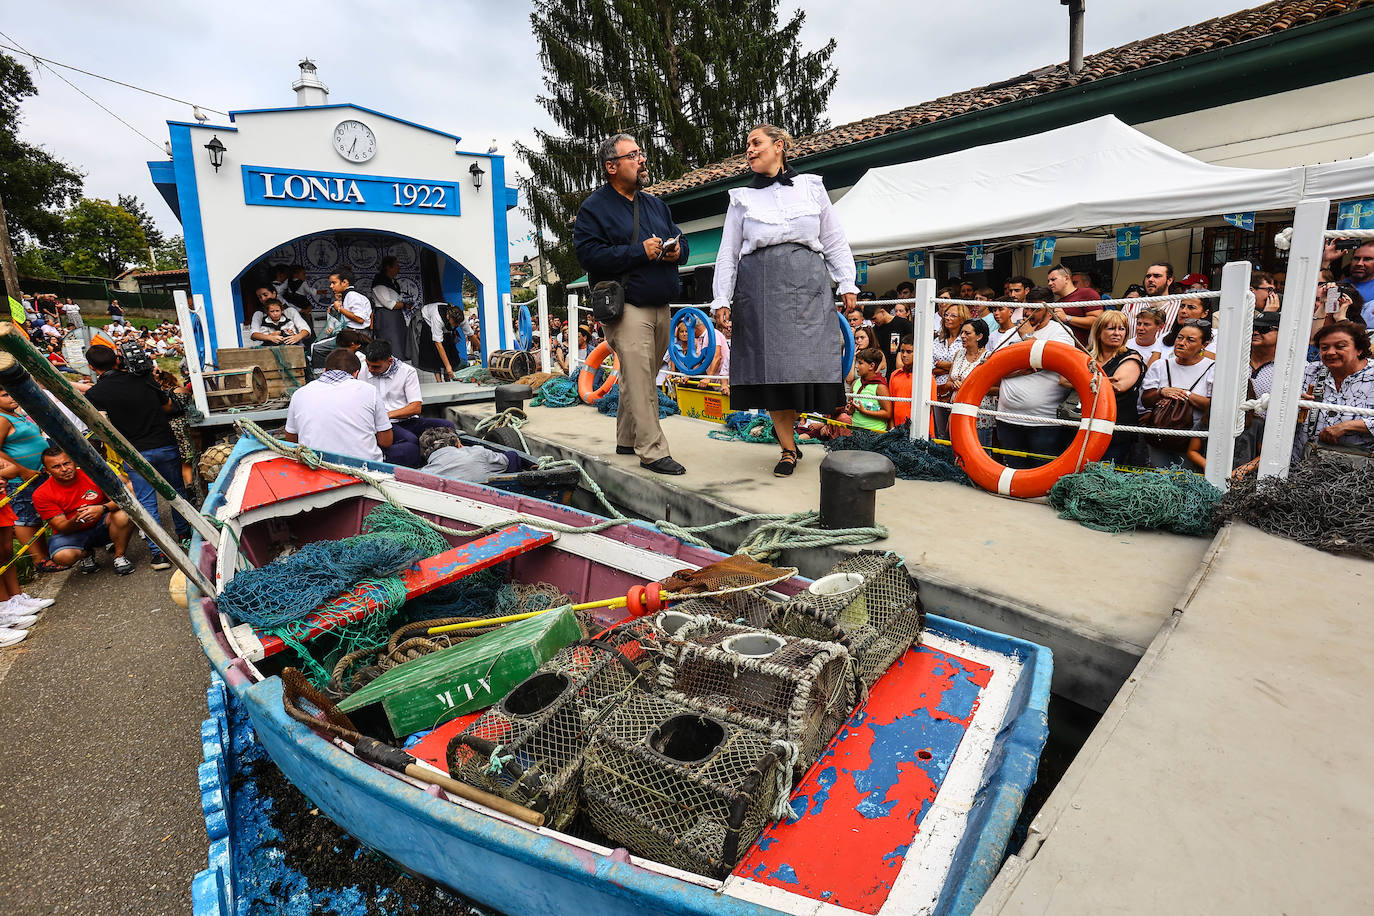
(734,575)
(867,603)
(795,689)
(529,747)
(681,787)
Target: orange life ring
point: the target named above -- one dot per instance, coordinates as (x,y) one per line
(587,376)
(1096,427)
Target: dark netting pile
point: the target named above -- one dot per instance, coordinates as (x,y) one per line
(611,403)
(1324,503)
(915,459)
(1109,500)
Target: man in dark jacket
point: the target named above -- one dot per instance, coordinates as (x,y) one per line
(647,264)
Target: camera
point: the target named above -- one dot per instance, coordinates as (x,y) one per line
(1347,244)
(135,360)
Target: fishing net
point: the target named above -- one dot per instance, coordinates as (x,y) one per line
(1325,502)
(610,404)
(793,689)
(914,459)
(751,606)
(556,392)
(529,748)
(867,603)
(747,426)
(358,668)
(1109,500)
(477,375)
(681,787)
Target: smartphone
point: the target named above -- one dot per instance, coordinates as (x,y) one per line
(671,243)
(1333,298)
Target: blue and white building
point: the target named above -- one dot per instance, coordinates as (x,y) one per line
(326,185)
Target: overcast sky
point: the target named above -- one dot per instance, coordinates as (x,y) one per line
(471,66)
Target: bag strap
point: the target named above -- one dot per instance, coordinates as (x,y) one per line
(634,238)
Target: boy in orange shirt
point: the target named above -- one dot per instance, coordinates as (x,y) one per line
(899,382)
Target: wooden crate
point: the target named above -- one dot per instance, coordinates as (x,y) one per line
(277,384)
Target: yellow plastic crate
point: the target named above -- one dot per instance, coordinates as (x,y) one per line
(702,403)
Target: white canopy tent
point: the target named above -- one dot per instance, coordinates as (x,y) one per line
(1098,173)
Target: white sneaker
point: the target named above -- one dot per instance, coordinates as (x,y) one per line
(34,604)
(9,637)
(18,621)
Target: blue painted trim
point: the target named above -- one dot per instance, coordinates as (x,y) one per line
(184,167)
(451,282)
(233,115)
(373,189)
(512,198)
(501,242)
(165,180)
(207,126)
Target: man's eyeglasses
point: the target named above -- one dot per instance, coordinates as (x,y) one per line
(637,154)
(1267,289)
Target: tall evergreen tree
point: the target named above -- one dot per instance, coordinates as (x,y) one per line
(35,184)
(687,78)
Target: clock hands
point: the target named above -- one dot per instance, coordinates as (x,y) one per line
(353,147)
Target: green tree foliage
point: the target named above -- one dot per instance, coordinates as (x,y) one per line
(35,185)
(102,239)
(170,253)
(131,203)
(687,78)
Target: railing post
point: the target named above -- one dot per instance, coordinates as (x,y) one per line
(545,332)
(1231,372)
(1295,326)
(923,339)
(193,357)
(573,355)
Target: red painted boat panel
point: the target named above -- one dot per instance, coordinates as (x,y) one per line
(433,748)
(860,806)
(284,478)
(422,577)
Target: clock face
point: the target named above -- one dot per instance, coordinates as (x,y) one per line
(355,141)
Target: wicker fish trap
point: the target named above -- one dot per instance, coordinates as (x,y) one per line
(794,689)
(867,603)
(529,747)
(681,787)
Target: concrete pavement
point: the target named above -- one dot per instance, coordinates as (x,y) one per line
(100,713)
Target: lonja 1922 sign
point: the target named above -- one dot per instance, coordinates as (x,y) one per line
(268,187)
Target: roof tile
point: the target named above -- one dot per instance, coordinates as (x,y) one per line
(1271,18)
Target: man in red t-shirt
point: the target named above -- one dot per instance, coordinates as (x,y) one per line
(80,516)
(1079,318)
(899,381)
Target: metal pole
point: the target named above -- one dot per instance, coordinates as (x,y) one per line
(1231,372)
(23,353)
(1295,325)
(923,317)
(44,412)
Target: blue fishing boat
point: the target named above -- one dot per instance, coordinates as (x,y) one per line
(905,803)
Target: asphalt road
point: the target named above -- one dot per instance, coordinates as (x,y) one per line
(100,711)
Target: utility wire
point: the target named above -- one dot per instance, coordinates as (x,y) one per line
(108,79)
(40,63)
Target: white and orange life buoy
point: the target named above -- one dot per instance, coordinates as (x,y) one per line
(587,377)
(1097,425)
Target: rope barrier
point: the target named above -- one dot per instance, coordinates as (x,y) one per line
(22,550)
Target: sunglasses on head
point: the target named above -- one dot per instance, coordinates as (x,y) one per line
(1195,323)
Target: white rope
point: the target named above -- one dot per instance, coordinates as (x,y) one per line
(1262,403)
(1140,300)
(1348,234)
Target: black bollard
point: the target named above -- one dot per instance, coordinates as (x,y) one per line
(508,396)
(849,481)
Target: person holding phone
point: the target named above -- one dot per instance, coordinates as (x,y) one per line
(1335,302)
(780,250)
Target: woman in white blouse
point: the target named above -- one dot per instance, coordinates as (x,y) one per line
(779,252)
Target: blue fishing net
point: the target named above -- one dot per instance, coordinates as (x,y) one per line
(611,403)
(914,459)
(1106,499)
(556,392)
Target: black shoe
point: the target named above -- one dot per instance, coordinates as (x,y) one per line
(787,463)
(624,449)
(664,466)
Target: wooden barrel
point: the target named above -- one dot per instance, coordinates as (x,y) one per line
(509,365)
(236,387)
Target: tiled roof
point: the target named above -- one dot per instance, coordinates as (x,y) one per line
(1216,33)
(159,273)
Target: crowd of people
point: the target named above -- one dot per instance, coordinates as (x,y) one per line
(49,320)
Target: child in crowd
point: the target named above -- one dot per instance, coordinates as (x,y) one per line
(869,413)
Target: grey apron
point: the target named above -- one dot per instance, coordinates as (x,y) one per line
(785,330)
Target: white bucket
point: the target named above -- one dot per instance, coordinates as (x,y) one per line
(846,587)
(672,621)
(753,645)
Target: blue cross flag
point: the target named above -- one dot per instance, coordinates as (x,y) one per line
(860,273)
(1244,221)
(1044,251)
(1128,243)
(973,257)
(915,265)
(1355,214)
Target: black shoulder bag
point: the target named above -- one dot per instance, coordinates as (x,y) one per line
(608,296)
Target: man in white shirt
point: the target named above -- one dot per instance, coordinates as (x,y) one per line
(1035,393)
(337,413)
(398,389)
(351,309)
